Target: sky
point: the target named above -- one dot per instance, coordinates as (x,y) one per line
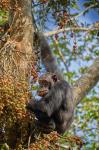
(91,17)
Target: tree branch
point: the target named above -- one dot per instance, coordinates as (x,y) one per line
(71,29)
(60,54)
(86,9)
(56,31)
(86,82)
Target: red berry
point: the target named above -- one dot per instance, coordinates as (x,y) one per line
(72,35)
(56,36)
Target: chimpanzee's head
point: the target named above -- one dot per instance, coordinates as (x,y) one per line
(46,82)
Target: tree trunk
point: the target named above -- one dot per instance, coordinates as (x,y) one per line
(17,54)
(16,60)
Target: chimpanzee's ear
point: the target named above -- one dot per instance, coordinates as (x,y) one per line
(54,77)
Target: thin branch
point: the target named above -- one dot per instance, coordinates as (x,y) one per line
(70,29)
(91,6)
(63,146)
(60,54)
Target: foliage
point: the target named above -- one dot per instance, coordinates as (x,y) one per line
(14,119)
(55,141)
(3,17)
(86,121)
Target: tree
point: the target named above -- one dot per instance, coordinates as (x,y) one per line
(18,60)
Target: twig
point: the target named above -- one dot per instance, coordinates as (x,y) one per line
(63,146)
(70,29)
(91,6)
(29,141)
(60,54)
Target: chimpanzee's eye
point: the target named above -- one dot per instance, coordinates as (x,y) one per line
(54,77)
(45,84)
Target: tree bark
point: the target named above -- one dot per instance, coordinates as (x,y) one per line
(16,59)
(86,82)
(17,53)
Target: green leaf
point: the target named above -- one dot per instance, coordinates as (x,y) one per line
(35,87)
(75,6)
(96,52)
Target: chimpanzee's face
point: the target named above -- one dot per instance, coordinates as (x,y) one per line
(46,82)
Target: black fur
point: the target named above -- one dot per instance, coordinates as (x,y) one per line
(56,106)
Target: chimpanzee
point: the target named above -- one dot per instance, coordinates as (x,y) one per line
(56,105)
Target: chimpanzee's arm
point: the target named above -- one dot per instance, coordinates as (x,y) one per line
(47,57)
(35,106)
